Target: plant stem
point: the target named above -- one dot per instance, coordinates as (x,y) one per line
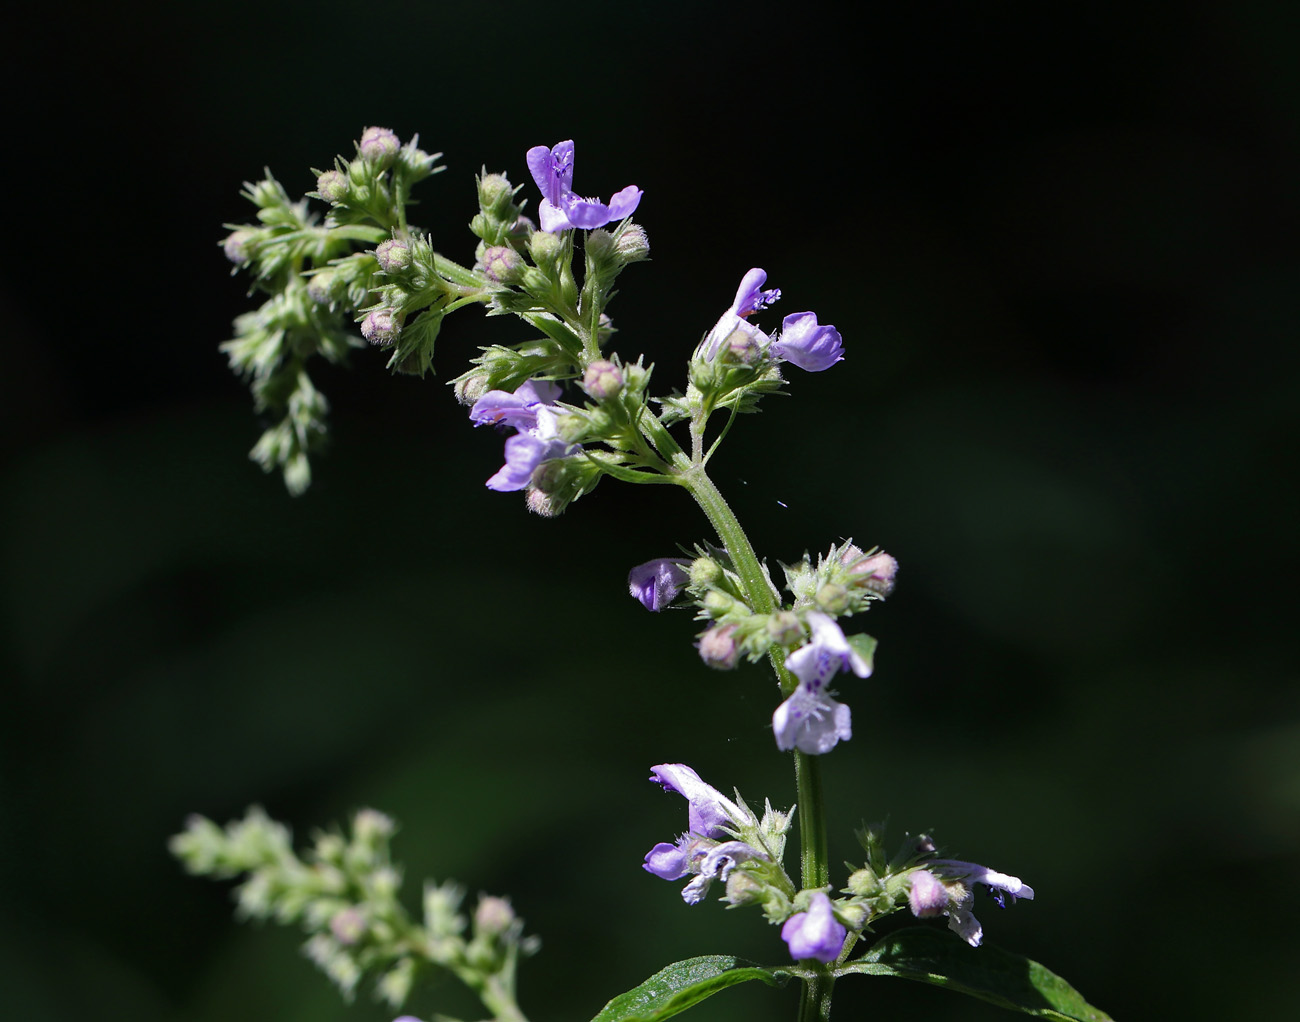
(815,1003)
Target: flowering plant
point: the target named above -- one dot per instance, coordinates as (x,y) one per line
(577,412)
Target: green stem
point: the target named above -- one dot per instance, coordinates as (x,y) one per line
(815,1003)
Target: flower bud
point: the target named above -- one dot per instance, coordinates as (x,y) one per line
(470,387)
(495,195)
(864,883)
(875,573)
(927,895)
(348,926)
(705,571)
(544,247)
(832,598)
(378,146)
(493,916)
(332,186)
(320,286)
(379,327)
(502,264)
(718,649)
(784,628)
(742,889)
(599,246)
(371,826)
(543,504)
(393,255)
(602,380)
(633,245)
(717,603)
(238,246)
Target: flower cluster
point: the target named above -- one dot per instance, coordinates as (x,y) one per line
(802,341)
(845,581)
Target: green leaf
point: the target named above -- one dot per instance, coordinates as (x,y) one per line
(683,985)
(942,959)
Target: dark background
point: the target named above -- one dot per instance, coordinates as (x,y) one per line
(1060,243)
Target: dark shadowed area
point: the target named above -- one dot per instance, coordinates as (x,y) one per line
(1060,243)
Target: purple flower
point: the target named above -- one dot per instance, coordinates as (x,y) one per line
(733,329)
(711,812)
(530,410)
(961,920)
(518,409)
(707,849)
(562,208)
(815,933)
(657,583)
(807,343)
(810,720)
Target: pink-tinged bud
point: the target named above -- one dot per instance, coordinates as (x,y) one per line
(927,895)
(332,186)
(393,255)
(320,286)
(239,245)
(493,915)
(379,327)
(784,628)
(875,573)
(718,649)
(503,264)
(378,145)
(348,926)
(602,380)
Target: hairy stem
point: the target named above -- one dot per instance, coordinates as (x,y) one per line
(815,1003)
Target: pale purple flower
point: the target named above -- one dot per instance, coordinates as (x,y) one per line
(562,208)
(825,653)
(810,720)
(707,849)
(811,723)
(530,410)
(733,329)
(711,812)
(815,933)
(808,344)
(961,920)
(656,583)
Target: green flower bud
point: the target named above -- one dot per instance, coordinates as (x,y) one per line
(495,195)
(602,380)
(784,627)
(503,264)
(633,245)
(718,603)
(600,246)
(705,571)
(332,186)
(743,889)
(544,247)
(864,883)
(471,386)
(239,245)
(348,926)
(320,286)
(370,826)
(832,598)
(393,255)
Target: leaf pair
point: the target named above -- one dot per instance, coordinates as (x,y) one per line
(918,953)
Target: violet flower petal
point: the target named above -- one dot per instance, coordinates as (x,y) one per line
(816,933)
(809,345)
(710,811)
(656,583)
(669,862)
